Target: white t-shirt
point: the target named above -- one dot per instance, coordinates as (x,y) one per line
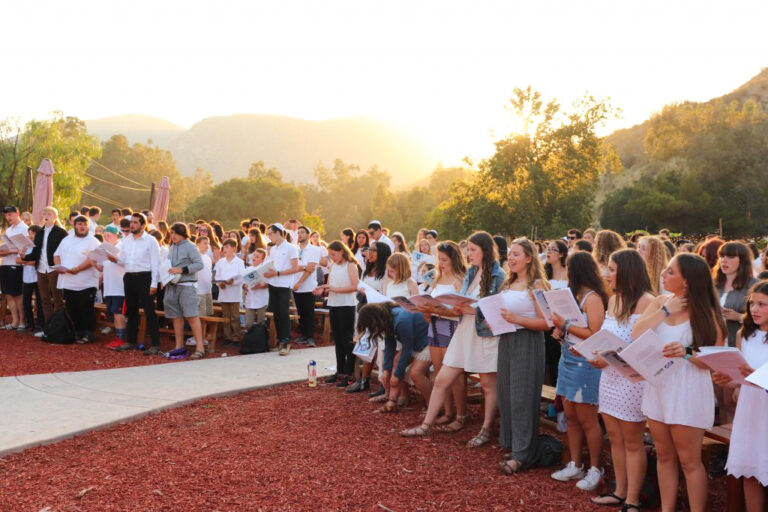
(386,240)
(307,255)
(42,265)
(18,229)
(256,298)
(204,276)
(226,270)
(71,252)
(92,226)
(281,255)
(30,274)
(112,277)
(324,254)
(294,236)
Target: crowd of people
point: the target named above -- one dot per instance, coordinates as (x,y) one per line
(691,293)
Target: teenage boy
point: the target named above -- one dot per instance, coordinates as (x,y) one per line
(11,273)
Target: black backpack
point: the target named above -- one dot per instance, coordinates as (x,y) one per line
(549,451)
(59,328)
(255,340)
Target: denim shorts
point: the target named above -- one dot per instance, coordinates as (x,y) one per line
(114,305)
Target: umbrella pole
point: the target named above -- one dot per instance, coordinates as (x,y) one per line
(27,190)
(151,197)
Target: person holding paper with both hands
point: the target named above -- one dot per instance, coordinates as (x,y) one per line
(748,450)
(680,410)
(578,382)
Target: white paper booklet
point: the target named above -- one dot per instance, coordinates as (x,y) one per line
(372,296)
(60,268)
(725,361)
(491,307)
(620,365)
(103,251)
(256,275)
(602,341)
(406,304)
(564,304)
(538,295)
(165,275)
(645,356)
(420,257)
(760,377)
(18,242)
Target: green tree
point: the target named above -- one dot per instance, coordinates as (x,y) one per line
(65,140)
(545,177)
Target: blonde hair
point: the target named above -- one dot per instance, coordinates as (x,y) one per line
(606,243)
(401,264)
(55,212)
(535,267)
(657,261)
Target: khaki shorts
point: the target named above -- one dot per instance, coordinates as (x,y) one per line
(205,305)
(180,301)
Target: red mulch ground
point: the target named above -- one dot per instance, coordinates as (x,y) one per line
(286,448)
(23,354)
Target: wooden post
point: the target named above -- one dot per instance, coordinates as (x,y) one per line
(25,203)
(721,227)
(151,197)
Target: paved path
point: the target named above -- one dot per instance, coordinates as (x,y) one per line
(45,408)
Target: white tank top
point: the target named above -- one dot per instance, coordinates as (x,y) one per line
(681,333)
(520,303)
(339,278)
(398,290)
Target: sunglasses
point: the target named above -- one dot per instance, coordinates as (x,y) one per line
(202,230)
(571,237)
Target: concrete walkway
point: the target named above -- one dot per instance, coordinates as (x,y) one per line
(45,408)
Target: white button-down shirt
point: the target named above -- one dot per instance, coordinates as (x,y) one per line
(141,255)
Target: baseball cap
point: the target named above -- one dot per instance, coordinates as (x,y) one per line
(111,229)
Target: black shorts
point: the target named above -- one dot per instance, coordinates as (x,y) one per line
(114,305)
(11,280)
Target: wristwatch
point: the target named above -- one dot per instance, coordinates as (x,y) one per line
(278,273)
(665,310)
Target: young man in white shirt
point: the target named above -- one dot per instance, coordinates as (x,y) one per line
(306,282)
(204,278)
(80,279)
(94,214)
(285,257)
(140,255)
(229,272)
(116,215)
(377,235)
(11,273)
(292,227)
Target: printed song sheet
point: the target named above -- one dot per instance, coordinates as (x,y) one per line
(564,304)
(645,356)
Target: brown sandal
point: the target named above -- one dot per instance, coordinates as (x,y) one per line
(482,437)
(197,355)
(422,430)
(455,426)
(511,466)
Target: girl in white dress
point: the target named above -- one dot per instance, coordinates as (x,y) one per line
(473,348)
(621,399)
(682,408)
(748,450)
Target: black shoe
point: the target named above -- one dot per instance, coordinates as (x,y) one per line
(378,392)
(332,379)
(126,346)
(344,382)
(357,387)
(153,351)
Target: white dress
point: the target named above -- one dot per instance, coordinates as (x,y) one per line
(687,397)
(558,284)
(467,350)
(748,451)
(620,397)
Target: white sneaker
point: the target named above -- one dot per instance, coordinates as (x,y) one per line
(106,330)
(589,482)
(191,342)
(8,327)
(39,334)
(569,472)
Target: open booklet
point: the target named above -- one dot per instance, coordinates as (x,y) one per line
(725,360)
(759,377)
(165,275)
(256,276)
(17,242)
(491,307)
(445,301)
(60,268)
(101,253)
(613,358)
(420,257)
(645,356)
(602,341)
(372,296)
(561,302)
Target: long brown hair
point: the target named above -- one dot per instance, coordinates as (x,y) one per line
(402,266)
(749,326)
(606,243)
(583,272)
(453,251)
(486,244)
(705,313)
(376,319)
(535,270)
(346,253)
(743,273)
(657,261)
(632,282)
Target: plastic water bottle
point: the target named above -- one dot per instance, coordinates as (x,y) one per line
(312,374)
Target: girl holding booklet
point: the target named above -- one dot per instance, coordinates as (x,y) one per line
(400,283)
(621,399)
(521,358)
(684,407)
(557,275)
(577,381)
(473,348)
(448,278)
(749,437)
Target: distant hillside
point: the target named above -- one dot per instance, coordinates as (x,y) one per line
(630,142)
(136,128)
(226,146)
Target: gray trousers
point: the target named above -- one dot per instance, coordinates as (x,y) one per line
(519,380)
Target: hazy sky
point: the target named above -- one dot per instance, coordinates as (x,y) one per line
(446,70)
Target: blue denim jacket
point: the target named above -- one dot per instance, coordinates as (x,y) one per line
(497,280)
(411,330)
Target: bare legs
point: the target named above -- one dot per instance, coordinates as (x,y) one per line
(754,495)
(583,423)
(629,459)
(458,393)
(197,332)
